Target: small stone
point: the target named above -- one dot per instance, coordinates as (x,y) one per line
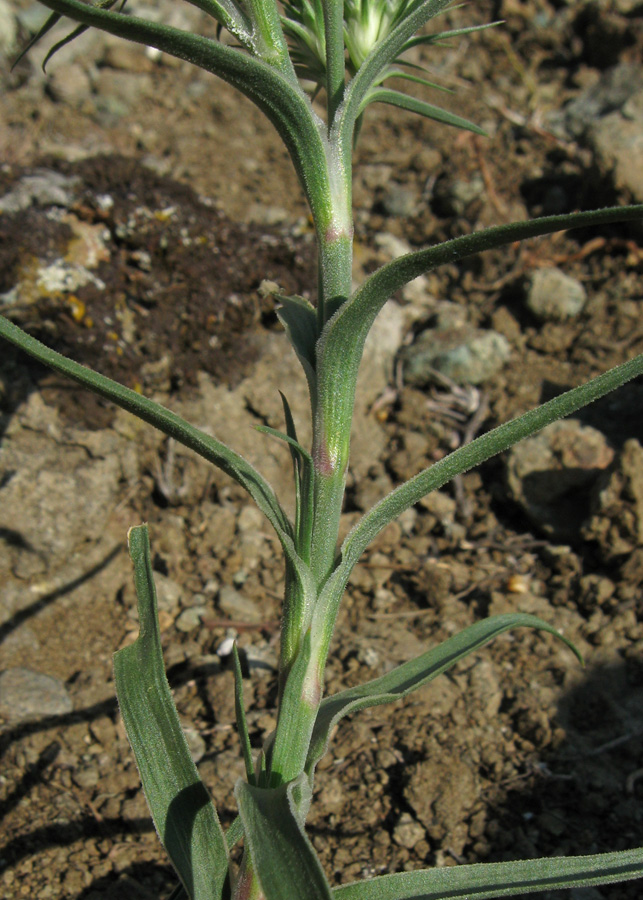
(467,355)
(69,84)
(598,100)
(553,295)
(189,619)
(548,475)
(453,197)
(85,776)
(617,140)
(238,607)
(399,200)
(408,832)
(31,695)
(42,188)
(168,593)
(127,58)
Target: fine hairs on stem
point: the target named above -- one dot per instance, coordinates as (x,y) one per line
(343,56)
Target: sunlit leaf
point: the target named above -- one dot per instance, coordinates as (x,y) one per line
(414,674)
(486,881)
(283,857)
(181,807)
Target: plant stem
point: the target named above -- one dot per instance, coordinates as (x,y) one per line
(335,62)
(330,451)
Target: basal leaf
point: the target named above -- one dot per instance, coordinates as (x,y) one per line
(181,807)
(487,881)
(283,858)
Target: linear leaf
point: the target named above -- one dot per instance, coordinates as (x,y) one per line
(486,881)
(382,284)
(299,319)
(341,344)
(479,450)
(154,414)
(446,35)
(421,107)
(414,674)
(283,858)
(278,95)
(240,712)
(174,426)
(181,808)
(51,21)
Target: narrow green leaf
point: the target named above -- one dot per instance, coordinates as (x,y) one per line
(174,426)
(279,96)
(291,429)
(383,283)
(340,347)
(414,674)
(302,462)
(181,808)
(486,881)
(51,21)
(299,319)
(461,460)
(397,72)
(476,452)
(283,858)
(413,104)
(170,424)
(445,35)
(301,452)
(240,711)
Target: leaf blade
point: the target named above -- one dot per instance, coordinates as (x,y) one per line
(164,420)
(420,107)
(279,96)
(181,808)
(477,451)
(485,881)
(283,857)
(415,673)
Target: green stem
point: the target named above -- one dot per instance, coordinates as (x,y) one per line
(330,451)
(268,38)
(335,61)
